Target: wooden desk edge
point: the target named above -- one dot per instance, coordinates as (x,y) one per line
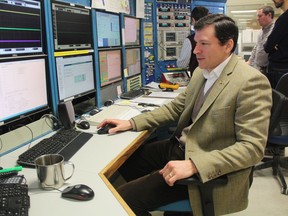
(113,166)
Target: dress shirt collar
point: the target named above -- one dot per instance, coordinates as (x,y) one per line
(215,73)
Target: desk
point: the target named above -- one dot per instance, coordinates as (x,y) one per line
(94,163)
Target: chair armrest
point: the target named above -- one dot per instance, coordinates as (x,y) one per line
(205,190)
(194,180)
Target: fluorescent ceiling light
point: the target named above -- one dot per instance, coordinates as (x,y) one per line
(244,19)
(244,11)
(243,15)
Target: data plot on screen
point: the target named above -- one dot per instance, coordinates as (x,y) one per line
(23,88)
(75,76)
(20,27)
(108,29)
(110,66)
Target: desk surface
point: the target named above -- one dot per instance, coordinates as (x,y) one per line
(94,163)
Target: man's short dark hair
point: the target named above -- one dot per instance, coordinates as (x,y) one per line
(199,12)
(225,28)
(268,9)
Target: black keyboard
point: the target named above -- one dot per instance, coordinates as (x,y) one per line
(14,200)
(64,142)
(132,94)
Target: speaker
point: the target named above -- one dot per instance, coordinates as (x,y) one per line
(66,114)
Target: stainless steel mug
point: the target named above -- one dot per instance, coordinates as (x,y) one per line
(50,171)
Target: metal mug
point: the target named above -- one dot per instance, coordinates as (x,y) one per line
(50,171)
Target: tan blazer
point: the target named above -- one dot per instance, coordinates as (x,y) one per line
(229,134)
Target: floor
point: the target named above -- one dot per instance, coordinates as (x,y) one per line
(265,198)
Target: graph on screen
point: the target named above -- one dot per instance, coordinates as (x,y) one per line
(20,27)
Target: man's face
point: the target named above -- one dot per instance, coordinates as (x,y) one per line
(263,19)
(278,3)
(209,52)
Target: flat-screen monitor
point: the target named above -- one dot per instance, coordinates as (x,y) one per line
(20,27)
(134,82)
(23,88)
(110,63)
(108,29)
(75,76)
(132,31)
(133,61)
(71,26)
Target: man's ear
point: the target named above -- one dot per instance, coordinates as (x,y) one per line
(229,46)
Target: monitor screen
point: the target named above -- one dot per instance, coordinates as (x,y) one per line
(132,31)
(75,76)
(71,27)
(133,61)
(108,29)
(23,88)
(20,27)
(110,66)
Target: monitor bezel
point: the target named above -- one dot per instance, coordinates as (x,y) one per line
(121,67)
(131,48)
(120,34)
(43,37)
(139,33)
(35,112)
(67,47)
(75,96)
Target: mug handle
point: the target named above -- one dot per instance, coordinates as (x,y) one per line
(73,166)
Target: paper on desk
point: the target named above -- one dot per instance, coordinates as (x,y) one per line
(161,94)
(151,100)
(152,85)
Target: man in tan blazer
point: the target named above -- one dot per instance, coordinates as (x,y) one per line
(226,134)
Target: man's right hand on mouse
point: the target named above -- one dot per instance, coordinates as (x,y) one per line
(120,125)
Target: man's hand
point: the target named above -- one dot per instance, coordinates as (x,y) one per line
(175,170)
(121,125)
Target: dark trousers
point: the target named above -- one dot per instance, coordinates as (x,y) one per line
(274,74)
(146,189)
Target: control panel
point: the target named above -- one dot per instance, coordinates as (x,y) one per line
(173,26)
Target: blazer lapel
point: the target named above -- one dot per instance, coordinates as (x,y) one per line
(218,86)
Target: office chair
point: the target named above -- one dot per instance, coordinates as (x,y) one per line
(276,141)
(206,189)
(282,85)
(206,193)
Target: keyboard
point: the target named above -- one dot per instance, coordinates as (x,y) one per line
(132,94)
(14,200)
(65,142)
(113,111)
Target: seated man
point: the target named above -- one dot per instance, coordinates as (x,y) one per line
(223,119)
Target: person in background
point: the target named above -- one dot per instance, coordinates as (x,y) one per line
(223,120)
(259,58)
(277,45)
(187,58)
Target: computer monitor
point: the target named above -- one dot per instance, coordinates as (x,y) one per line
(23,88)
(75,76)
(108,29)
(132,31)
(71,26)
(134,82)
(20,27)
(133,61)
(110,63)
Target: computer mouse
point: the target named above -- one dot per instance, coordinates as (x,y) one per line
(78,192)
(83,125)
(105,129)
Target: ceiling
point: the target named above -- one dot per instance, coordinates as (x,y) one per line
(247,20)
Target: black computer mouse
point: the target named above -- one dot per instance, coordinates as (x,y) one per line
(105,129)
(83,125)
(78,192)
